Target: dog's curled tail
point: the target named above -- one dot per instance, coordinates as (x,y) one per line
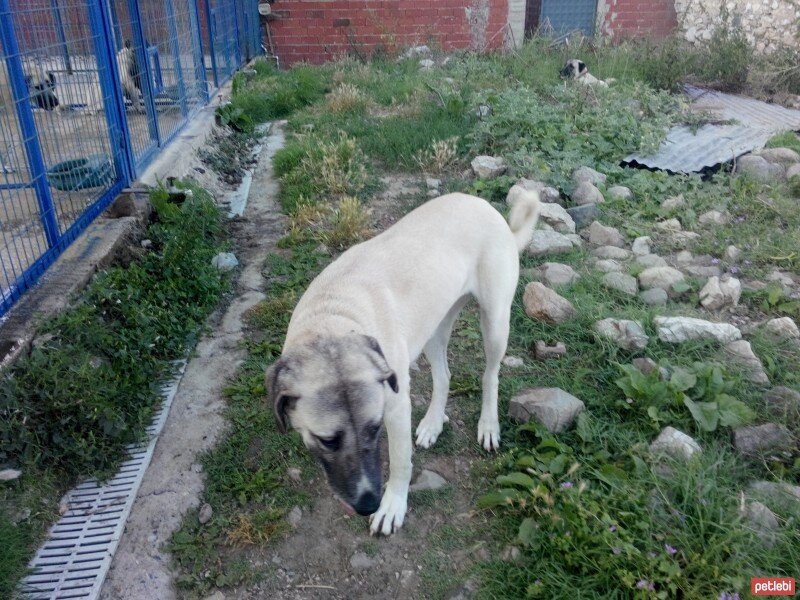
(524,214)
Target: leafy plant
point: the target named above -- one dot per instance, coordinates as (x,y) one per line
(234,117)
(702,389)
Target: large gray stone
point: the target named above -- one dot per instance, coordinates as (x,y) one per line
(713,217)
(781,156)
(719,292)
(557,217)
(701,271)
(546,305)
(683,329)
(428,480)
(673,203)
(622,282)
(586,193)
(783,403)
(584,214)
(648,261)
(608,265)
(761,520)
(641,245)
(668,225)
(602,235)
(674,443)
(582,174)
(620,192)
(793,171)
(611,252)
(626,334)
(758,168)
(487,167)
(757,440)
(552,407)
(549,242)
(661,277)
(655,297)
(783,328)
(739,352)
(555,274)
(778,492)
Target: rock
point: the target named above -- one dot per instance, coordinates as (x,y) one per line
(586,193)
(674,443)
(682,238)
(701,271)
(428,480)
(146,243)
(720,291)
(641,245)
(758,168)
(684,257)
(549,242)
(205,514)
(426,63)
(552,407)
(575,239)
(361,562)
(546,305)
(757,440)
(582,174)
(295,516)
(483,111)
(781,156)
(511,554)
(294,474)
(543,352)
(607,265)
(555,274)
(620,192)
(733,254)
(546,193)
(782,328)
(513,362)
(793,171)
(584,214)
(780,492)
(648,261)
(488,167)
(417,51)
(740,353)
(654,297)
(557,217)
(668,225)
(628,335)
(784,404)
(673,203)
(713,217)
(682,329)
(784,279)
(661,277)
(762,520)
(10,474)
(611,252)
(432,184)
(601,235)
(622,282)
(225,261)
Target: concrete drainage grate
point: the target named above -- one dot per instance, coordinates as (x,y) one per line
(74,560)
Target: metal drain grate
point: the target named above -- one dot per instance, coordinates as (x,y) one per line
(74,560)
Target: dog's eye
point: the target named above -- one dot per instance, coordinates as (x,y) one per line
(331,443)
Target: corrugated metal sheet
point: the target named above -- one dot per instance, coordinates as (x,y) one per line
(687,151)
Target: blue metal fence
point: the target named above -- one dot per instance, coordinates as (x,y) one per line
(90,91)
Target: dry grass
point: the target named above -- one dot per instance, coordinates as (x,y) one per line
(346,99)
(349,224)
(441,156)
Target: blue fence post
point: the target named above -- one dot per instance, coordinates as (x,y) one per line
(62,39)
(113,101)
(176,55)
(27,125)
(145,65)
(237,54)
(197,54)
(212,42)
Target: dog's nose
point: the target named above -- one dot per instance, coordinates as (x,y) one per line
(367,503)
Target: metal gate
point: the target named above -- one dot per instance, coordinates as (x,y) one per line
(90,91)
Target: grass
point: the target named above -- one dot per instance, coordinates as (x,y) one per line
(90,386)
(598,517)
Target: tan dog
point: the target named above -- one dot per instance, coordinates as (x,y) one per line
(369,314)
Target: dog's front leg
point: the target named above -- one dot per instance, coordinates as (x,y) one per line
(389,517)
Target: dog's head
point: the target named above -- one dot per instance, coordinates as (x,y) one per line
(332,391)
(573,69)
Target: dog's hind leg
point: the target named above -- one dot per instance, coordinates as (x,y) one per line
(435,351)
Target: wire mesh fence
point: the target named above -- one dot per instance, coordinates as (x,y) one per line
(90,90)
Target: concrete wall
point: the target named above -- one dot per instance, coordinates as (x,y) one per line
(317,31)
(516,23)
(768,24)
(620,19)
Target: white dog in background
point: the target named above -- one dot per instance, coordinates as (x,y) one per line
(130,76)
(577,70)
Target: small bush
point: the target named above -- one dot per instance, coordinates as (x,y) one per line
(727,58)
(275,95)
(666,65)
(441,155)
(349,224)
(346,98)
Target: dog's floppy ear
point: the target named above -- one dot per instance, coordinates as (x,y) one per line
(379,360)
(581,67)
(281,401)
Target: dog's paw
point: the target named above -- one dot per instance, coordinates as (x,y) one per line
(390,515)
(429,429)
(489,434)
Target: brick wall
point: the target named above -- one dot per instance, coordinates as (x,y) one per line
(317,31)
(636,18)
